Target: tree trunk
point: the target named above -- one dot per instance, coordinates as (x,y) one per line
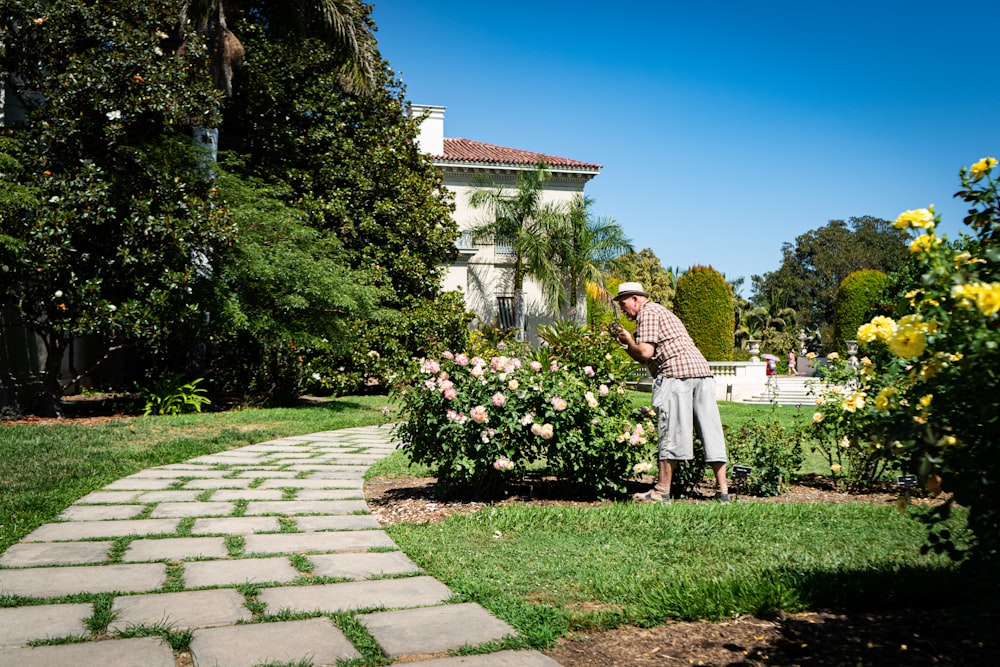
(520,314)
(50,400)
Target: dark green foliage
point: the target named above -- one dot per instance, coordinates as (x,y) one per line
(813,267)
(704,302)
(350,162)
(856,304)
(111,218)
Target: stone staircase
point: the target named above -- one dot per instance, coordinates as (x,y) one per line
(788,390)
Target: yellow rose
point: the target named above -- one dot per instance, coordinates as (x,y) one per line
(988,299)
(947,441)
(908,342)
(921,218)
(924,243)
(835,468)
(965,295)
(817,417)
(832,356)
(925,400)
(982,168)
(883,400)
(854,402)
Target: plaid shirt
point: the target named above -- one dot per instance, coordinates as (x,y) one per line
(674,353)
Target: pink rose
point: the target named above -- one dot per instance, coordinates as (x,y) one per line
(588,371)
(479,414)
(499,399)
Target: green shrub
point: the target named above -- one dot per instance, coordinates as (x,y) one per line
(704,302)
(856,303)
(772,450)
(483,422)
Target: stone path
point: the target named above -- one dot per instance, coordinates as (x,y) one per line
(258,555)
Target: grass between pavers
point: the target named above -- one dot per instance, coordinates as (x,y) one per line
(46,467)
(549,570)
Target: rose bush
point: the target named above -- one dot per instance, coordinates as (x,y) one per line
(482,422)
(843,426)
(938,399)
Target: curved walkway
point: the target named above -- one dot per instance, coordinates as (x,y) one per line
(247,553)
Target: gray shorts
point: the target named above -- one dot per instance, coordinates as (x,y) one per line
(683,405)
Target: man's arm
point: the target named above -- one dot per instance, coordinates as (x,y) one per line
(641,352)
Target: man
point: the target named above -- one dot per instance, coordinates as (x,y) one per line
(683,390)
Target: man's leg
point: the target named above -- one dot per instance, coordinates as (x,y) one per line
(721,483)
(708,423)
(664,476)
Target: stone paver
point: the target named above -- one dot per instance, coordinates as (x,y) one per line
(96,497)
(173,510)
(83,530)
(362,565)
(301,484)
(176,548)
(20,625)
(230,483)
(100,512)
(267,474)
(48,582)
(330,494)
(179,611)
(352,595)
(433,629)
(345,540)
(285,507)
(337,522)
(248,494)
(238,571)
(498,659)
(141,652)
(32,554)
(241,525)
(139,484)
(168,496)
(172,473)
(315,640)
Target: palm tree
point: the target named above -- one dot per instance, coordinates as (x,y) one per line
(586,249)
(342,24)
(519,217)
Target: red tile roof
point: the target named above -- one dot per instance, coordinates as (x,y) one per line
(467,150)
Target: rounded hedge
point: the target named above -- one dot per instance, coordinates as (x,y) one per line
(704,302)
(855,304)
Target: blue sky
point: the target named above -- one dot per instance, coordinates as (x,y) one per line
(724,128)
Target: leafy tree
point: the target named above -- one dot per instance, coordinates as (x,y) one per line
(520,216)
(645,267)
(349,165)
(112,223)
(813,267)
(343,26)
(586,248)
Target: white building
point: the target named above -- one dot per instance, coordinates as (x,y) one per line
(484,273)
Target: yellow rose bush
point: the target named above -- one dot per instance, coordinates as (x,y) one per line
(850,402)
(937,402)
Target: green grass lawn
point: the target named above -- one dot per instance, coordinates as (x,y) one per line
(547,570)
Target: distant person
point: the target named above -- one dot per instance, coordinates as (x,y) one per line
(683,391)
(792,362)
